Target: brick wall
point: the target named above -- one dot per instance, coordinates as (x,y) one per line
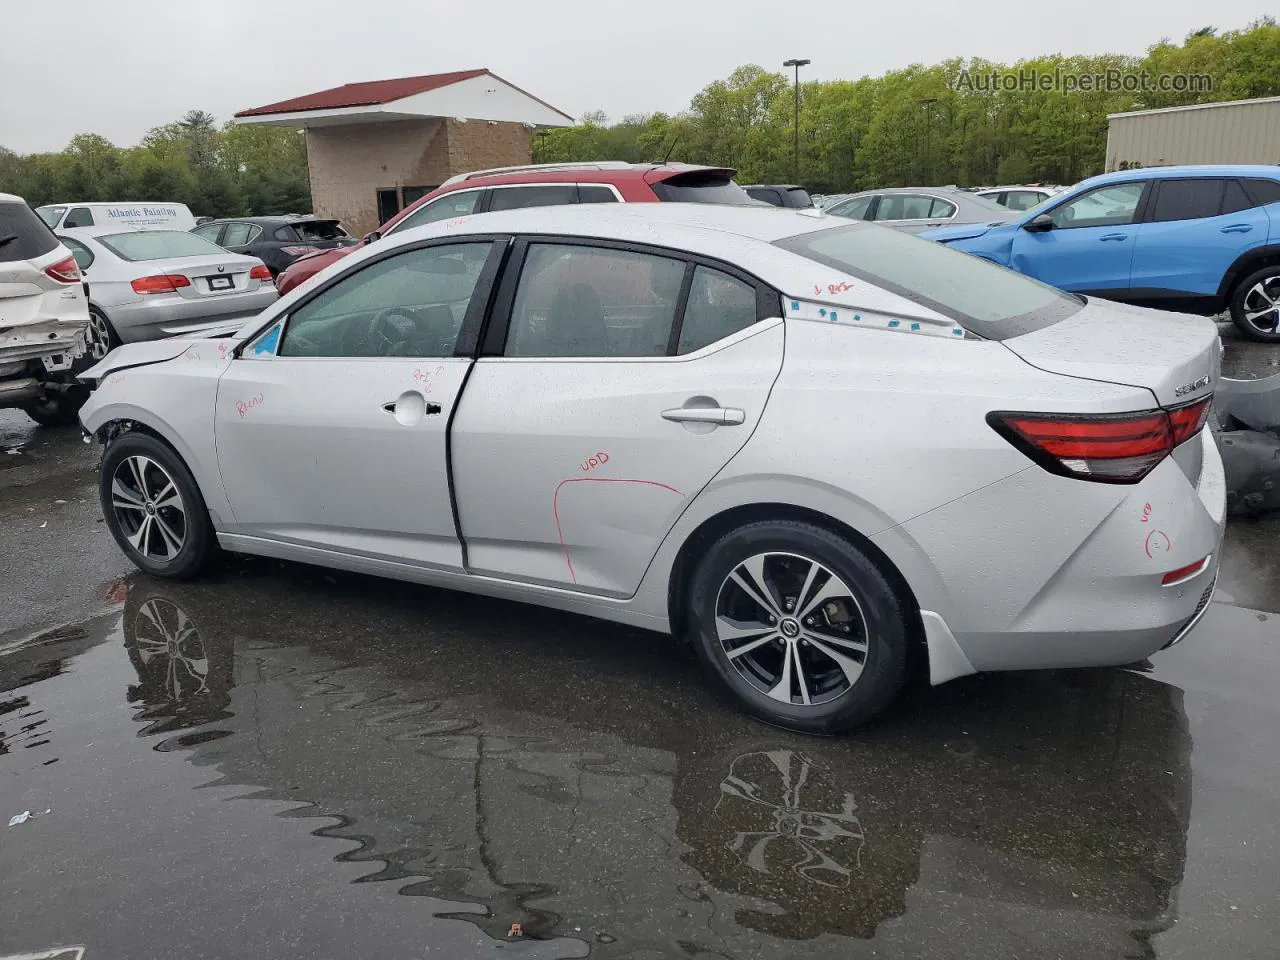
(349,164)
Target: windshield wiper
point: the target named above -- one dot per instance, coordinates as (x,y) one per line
(8,238)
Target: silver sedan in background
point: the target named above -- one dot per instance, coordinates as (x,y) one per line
(912,209)
(147,284)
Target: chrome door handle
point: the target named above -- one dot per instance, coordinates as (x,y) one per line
(723,416)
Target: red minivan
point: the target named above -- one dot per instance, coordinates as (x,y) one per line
(541,185)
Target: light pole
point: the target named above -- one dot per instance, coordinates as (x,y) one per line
(928,103)
(795,150)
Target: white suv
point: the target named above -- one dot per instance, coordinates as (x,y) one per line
(43,317)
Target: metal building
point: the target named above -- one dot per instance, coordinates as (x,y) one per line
(1238,131)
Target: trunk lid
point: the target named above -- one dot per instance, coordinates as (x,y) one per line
(215,275)
(1176,356)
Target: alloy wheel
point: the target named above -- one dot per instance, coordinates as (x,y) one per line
(148,508)
(98,335)
(792,628)
(1261,305)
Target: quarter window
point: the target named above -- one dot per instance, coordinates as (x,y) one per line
(83,255)
(719,306)
(458,204)
(941,209)
(1192,199)
(514,198)
(1105,206)
(581,301)
(408,305)
(1265,191)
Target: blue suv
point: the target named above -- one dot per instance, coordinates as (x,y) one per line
(1196,239)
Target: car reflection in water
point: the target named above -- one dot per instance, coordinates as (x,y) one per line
(1044,812)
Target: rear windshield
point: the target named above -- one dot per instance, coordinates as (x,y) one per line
(158,245)
(51,215)
(701,187)
(23,235)
(984,298)
(799,197)
(319,230)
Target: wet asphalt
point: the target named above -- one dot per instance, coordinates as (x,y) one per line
(282,761)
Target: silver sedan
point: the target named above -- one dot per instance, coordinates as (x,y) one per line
(146,284)
(912,209)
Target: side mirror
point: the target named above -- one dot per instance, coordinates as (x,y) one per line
(371,236)
(1039,224)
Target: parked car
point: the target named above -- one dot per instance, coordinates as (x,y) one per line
(779,194)
(541,185)
(627,438)
(43,318)
(1198,239)
(913,209)
(276,241)
(145,284)
(1016,197)
(154,215)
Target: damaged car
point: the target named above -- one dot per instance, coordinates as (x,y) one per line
(43,318)
(827,454)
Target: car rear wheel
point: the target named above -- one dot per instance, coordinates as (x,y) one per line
(58,408)
(100,336)
(153,507)
(800,624)
(1255,305)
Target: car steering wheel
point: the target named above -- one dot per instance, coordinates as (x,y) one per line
(382,325)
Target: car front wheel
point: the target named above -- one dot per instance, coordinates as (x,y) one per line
(801,626)
(153,507)
(1255,305)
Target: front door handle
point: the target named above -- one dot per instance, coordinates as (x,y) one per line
(722,416)
(1114,236)
(430,408)
(1237,228)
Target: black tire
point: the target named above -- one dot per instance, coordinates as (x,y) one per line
(100,327)
(1269,277)
(883,616)
(61,409)
(198,543)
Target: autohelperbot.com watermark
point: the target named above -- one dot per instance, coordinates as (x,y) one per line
(1062,80)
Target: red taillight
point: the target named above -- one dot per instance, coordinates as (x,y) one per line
(260,272)
(1109,448)
(64,271)
(162,283)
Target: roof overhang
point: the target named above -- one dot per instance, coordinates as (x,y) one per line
(482,98)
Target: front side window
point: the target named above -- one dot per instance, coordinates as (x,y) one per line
(855,209)
(514,198)
(719,306)
(408,305)
(458,204)
(1190,199)
(582,301)
(79,217)
(989,300)
(1108,206)
(158,245)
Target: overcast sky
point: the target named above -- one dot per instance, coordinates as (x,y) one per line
(120,67)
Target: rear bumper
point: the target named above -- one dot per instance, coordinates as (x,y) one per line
(1047,573)
(36,341)
(169,315)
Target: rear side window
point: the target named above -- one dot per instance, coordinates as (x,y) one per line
(1022,199)
(719,306)
(595,193)
(1264,191)
(989,300)
(23,235)
(209,232)
(515,198)
(701,186)
(158,245)
(1192,199)
(898,206)
(285,234)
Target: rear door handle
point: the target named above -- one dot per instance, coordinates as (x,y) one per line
(1114,236)
(1237,228)
(723,416)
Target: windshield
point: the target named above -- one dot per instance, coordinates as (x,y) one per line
(158,245)
(986,299)
(50,215)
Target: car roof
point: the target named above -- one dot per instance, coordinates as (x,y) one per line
(11,198)
(277,219)
(575,173)
(112,229)
(1259,170)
